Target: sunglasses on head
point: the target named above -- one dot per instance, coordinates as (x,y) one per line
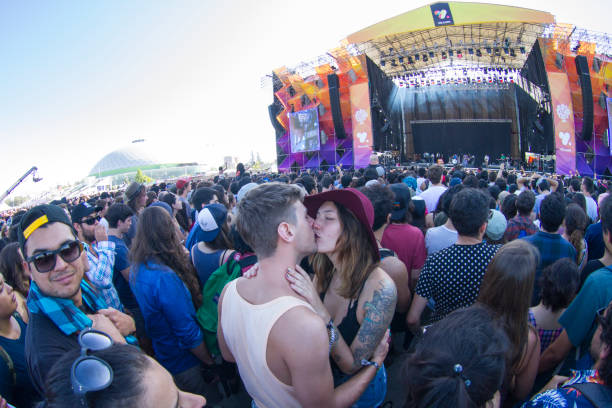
(90,373)
(45,261)
(92,220)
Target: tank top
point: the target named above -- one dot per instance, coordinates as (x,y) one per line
(206,263)
(246,328)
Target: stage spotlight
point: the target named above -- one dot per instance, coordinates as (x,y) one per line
(522,50)
(478,53)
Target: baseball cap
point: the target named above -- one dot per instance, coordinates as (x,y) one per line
(38,217)
(182,182)
(245,189)
(496,225)
(400,202)
(81,211)
(210,220)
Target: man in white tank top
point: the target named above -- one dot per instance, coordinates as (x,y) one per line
(280,344)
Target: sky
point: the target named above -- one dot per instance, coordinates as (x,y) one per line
(80,79)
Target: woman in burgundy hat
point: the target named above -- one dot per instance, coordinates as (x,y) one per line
(349,290)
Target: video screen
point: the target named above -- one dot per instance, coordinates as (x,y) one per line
(304,130)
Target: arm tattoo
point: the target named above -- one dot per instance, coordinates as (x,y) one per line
(377,318)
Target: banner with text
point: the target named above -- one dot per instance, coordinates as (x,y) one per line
(362,124)
(563,113)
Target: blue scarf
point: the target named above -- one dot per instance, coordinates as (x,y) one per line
(64,313)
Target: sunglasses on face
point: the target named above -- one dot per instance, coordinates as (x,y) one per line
(92,220)
(45,261)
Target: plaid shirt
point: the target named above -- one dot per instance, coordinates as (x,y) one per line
(518,227)
(546,336)
(100,272)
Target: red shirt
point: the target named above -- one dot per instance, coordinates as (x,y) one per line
(407,242)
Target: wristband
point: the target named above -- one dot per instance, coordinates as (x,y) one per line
(331,331)
(365,363)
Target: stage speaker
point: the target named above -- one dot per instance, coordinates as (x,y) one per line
(273,111)
(602,100)
(334,99)
(559,60)
(596,64)
(582,69)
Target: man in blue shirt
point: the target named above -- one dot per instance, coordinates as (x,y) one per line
(119,218)
(552,245)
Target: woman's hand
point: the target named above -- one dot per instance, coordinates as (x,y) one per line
(301,284)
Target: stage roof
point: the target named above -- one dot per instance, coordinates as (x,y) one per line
(452,34)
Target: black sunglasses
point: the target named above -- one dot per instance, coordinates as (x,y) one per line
(91,221)
(45,261)
(91,373)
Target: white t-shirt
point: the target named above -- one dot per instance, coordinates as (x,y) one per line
(431,196)
(591,206)
(439,238)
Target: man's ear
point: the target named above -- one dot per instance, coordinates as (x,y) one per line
(77,227)
(285,231)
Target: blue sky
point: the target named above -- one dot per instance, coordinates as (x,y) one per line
(79,79)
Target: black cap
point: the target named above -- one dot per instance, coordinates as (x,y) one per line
(81,211)
(39,216)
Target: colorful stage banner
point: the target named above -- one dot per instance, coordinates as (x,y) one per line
(563,113)
(609,105)
(362,124)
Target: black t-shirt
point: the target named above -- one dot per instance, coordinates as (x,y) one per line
(45,343)
(589,268)
(23,393)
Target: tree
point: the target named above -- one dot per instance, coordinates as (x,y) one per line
(141,177)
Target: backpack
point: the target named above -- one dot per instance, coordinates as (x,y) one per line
(207,313)
(599,395)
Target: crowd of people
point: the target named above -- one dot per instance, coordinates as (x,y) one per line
(490,288)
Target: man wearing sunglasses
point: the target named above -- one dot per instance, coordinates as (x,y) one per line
(100,252)
(60,301)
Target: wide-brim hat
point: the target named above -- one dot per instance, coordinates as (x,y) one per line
(133,190)
(210,220)
(353,200)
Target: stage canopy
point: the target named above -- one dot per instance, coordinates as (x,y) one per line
(452,34)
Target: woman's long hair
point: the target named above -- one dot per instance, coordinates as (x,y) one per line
(507,288)
(355,257)
(157,240)
(223,240)
(575,224)
(11,268)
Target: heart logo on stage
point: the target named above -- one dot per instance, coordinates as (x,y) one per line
(362,136)
(441,14)
(361,115)
(564,136)
(563,112)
